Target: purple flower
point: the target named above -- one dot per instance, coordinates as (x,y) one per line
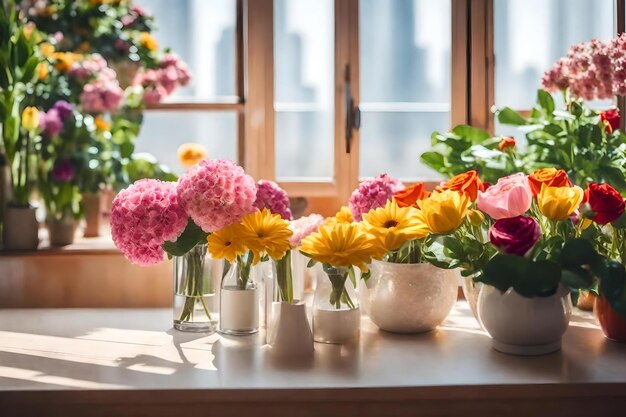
(63,171)
(269,195)
(374,193)
(50,122)
(515,235)
(64,109)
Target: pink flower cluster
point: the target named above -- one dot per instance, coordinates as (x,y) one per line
(590,70)
(216,193)
(372,194)
(510,197)
(269,195)
(103,92)
(304,226)
(143,217)
(161,82)
(53,121)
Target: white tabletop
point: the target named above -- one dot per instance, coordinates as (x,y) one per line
(123,349)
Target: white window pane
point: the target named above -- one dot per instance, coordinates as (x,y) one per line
(405,54)
(303,84)
(530,35)
(394,141)
(163,132)
(202,33)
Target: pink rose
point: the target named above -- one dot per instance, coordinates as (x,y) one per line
(509,197)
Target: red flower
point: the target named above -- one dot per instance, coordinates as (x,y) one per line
(605,201)
(610,119)
(515,235)
(467,183)
(507,143)
(551,177)
(411,196)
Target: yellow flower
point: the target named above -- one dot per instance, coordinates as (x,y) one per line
(227,243)
(265,233)
(46,49)
(30,118)
(190,154)
(28,30)
(558,203)
(341,244)
(148,41)
(444,211)
(394,225)
(475,217)
(344,215)
(64,60)
(101,124)
(42,71)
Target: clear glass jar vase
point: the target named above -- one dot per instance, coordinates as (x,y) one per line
(239,298)
(194,291)
(336,313)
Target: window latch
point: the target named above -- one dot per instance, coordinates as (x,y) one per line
(353,113)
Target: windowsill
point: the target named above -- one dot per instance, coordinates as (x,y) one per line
(102,245)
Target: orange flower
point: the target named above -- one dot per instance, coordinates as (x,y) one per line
(101,124)
(411,196)
(467,183)
(42,71)
(148,41)
(551,177)
(506,143)
(190,154)
(64,60)
(46,49)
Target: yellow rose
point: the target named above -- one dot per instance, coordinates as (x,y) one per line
(190,154)
(148,41)
(444,211)
(42,71)
(30,118)
(558,203)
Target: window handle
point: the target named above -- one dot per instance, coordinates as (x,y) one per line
(353,113)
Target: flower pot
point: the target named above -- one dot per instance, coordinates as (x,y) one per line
(586,300)
(194,291)
(524,326)
(471,290)
(612,323)
(336,313)
(61,231)
(92,203)
(239,301)
(292,337)
(411,298)
(21,228)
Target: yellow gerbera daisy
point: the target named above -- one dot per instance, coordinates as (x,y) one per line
(444,211)
(341,244)
(266,233)
(394,225)
(227,243)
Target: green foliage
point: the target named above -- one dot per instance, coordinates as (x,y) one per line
(191,236)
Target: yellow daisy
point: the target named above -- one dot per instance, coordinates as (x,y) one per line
(444,211)
(266,233)
(341,244)
(394,225)
(227,243)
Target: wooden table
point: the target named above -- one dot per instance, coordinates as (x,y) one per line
(122,362)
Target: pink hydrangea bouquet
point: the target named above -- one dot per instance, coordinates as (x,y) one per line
(269,195)
(373,193)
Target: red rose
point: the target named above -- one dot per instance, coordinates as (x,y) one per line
(515,235)
(605,201)
(610,119)
(506,143)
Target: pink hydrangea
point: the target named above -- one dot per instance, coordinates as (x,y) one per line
(143,217)
(101,97)
(216,193)
(269,195)
(304,226)
(161,82)
(374,193)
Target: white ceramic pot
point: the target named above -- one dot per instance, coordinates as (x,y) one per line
(471,290)
(21,228)
(411,298)
(524,326)
(239,311)
(291,335)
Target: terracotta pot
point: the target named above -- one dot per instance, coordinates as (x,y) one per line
(61,231)
(93,214)
(612,323)
(21,228)
(586,300)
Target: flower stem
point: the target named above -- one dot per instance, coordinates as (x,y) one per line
(193,286)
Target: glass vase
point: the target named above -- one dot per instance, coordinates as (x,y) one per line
(194,291)
(239,298)
(336,314)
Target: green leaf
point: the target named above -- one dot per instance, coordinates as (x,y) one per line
(509,116)
(434,160)
(312,262)
(613,286)
(577,278)
(191,236)
(545,100)
(540,278)
(29,69)
(475,135)
(504,271)
(578,252)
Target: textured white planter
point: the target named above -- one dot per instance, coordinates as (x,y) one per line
(291,336)
(21,229)
(336,326)
(524,326)
(411,298)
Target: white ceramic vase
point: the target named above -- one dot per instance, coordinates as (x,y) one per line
(291,335)
(524,326)
(411,298)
